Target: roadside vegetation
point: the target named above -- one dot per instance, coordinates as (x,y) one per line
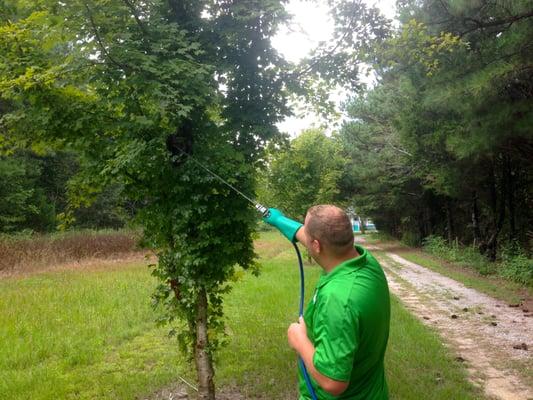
(466,265)
(91,335)
(513,263)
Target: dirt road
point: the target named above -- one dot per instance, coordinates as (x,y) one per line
(494,339)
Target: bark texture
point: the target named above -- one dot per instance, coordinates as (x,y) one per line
(204,365)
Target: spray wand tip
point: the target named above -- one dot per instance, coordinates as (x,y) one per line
(262,209)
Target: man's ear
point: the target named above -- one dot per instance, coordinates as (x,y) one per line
(317,247)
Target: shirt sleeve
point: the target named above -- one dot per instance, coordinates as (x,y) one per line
(336,339)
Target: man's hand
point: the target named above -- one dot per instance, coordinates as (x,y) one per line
(297,335)
(298,340)
(286,226)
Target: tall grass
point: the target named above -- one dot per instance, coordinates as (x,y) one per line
(26,252)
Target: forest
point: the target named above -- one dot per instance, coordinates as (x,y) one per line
(440,145)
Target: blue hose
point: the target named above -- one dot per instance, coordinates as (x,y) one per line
(301,313)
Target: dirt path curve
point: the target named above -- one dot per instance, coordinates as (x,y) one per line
(482,331)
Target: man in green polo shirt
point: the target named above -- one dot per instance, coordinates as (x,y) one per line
(343,335)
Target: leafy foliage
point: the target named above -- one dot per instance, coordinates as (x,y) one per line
(134,86)
(515,264)
(35,195)
(18,199)
(305,173)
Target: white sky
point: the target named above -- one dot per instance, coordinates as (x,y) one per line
(311,24)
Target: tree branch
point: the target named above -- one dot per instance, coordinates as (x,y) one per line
(399,149)
(136,16)
(503,21)
(101,43)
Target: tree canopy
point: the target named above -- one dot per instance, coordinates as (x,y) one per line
(136,87)
(446,131)
(304,173)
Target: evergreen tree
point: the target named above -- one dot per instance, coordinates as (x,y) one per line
(447,128)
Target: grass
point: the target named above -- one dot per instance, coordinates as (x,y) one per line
(418,366)
(70,335)
(90,335)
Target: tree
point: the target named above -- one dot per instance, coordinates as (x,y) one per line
(16,194)
(453,103)
(136,87)
(305,173)
(25,197)
(472,112)
(35,195)
(379,176)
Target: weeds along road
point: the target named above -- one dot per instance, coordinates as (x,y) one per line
(490,336)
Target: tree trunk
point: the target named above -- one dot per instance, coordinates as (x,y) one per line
(449,220)
(431,218)
(204,365)
(498,214)
(422,223)
(475,219)
(510,199)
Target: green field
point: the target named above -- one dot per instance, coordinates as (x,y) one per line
(91,335)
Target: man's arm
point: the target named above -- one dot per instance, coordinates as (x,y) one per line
(298,340)
(301,236)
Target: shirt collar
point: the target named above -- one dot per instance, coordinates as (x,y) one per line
(344,268)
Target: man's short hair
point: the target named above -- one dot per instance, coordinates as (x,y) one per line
(330,226)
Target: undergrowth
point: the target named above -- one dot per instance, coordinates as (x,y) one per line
(379,236)
(513,262)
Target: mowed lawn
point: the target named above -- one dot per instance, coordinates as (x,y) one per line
(91,335)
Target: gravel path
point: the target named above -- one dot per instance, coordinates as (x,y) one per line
(493,338)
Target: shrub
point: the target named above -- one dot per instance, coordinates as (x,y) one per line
(410,239)
(436,245)
(515,265)
(462,255)
(381,236)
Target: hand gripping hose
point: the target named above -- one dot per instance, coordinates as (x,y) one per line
(301,313)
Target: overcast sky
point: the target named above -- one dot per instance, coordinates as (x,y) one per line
(311,24)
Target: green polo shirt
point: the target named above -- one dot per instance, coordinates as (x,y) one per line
(348,323)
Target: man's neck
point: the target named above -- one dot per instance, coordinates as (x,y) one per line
(332,262)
